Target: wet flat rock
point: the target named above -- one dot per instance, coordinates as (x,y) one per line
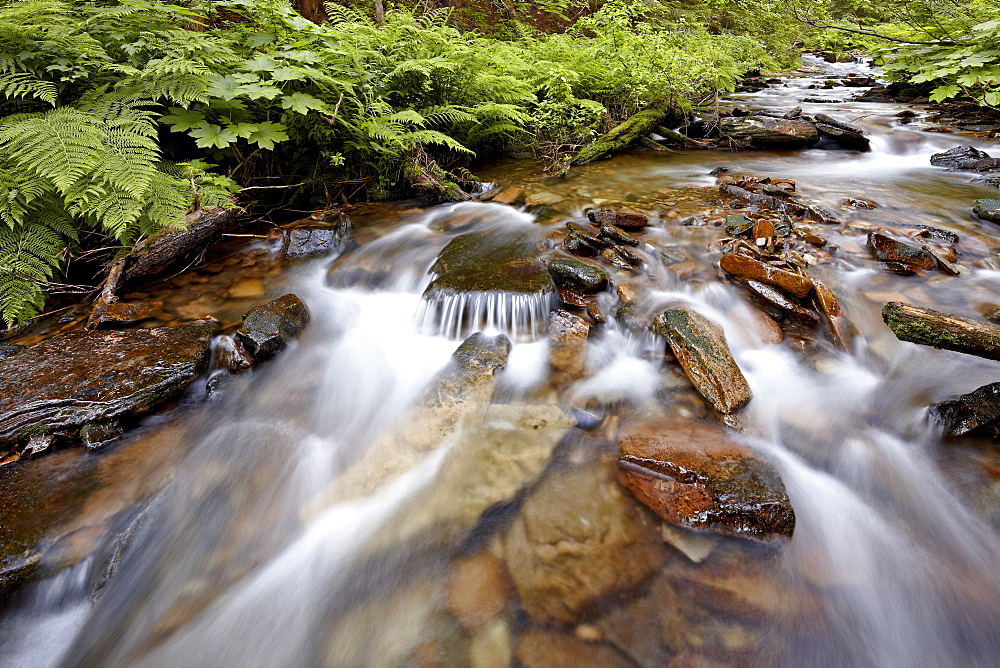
(701,348)
(693,475)
(484,262)
(87,376)
(988,209)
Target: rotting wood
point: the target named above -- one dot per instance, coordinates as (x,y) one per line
(942,330)
(679,138)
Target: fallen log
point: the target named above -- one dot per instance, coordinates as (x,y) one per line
(623,134)
(941,330)
(160,251)
(679,138)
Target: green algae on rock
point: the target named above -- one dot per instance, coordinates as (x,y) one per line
(87,376)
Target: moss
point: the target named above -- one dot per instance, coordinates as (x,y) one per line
(639,125)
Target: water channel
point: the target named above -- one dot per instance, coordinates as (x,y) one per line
(314,511)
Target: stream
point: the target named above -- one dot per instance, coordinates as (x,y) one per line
(319,511)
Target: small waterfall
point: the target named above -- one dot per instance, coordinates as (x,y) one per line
(522,317)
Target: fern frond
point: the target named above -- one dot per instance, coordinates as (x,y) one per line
(21,85)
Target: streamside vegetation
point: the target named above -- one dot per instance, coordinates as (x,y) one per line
(118,117)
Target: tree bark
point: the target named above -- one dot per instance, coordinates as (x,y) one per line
(163,248)
(313,10)
(379,12)
(941,330)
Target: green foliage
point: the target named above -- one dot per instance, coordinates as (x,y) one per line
(114,112)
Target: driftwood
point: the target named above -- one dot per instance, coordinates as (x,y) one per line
(941,330)
(623,134)
(160,251)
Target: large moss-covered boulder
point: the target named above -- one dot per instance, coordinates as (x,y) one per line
(488,261)
(87,376)
(767,132)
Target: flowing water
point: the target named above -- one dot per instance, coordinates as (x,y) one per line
(306,517)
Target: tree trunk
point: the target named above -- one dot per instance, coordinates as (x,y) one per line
(313,10)
(639,125)
(379,12)
(941,330)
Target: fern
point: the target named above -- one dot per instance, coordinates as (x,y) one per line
(22,85)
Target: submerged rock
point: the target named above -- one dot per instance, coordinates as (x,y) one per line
(87,376)
(548,649)
(888,249)
(969,411)
(269,328)
(578,538)
(579,275)
(768,132)
(120,314)
(477,590)
(693,475)
(988,209)
(8,350)
(701,348)
(567,348)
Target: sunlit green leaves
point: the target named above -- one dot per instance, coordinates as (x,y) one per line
(209,135)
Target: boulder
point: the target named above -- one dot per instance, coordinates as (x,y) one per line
(120,314)
(792,311)
(888,249)
(269,328)
(694,475)
(490,261)
(577,275)
(579,537)
(967,158)
(851,139)
(969,411)
(748,268)
(312,240)
(701,348)
(88,376)
(988,209)
(767,132)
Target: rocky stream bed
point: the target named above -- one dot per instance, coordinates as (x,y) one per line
(686,407)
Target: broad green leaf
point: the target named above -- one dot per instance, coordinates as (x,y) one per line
(225,87)
(302,103)
(243,130)
(286,73)
(259,39)
(992,98)
(208,135)
(182,120)
(255,91)
(944,92)
(260,63)
(268,134)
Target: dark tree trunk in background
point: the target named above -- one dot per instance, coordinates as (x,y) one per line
(379,12)
(313,10)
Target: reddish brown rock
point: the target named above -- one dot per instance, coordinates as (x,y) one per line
(694,475)
(87,376)
(119,314)
(829,306)
(477,590)
(888,249)
(618,218)
(701,348)
(579,537)
(546,649)
(755,270)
